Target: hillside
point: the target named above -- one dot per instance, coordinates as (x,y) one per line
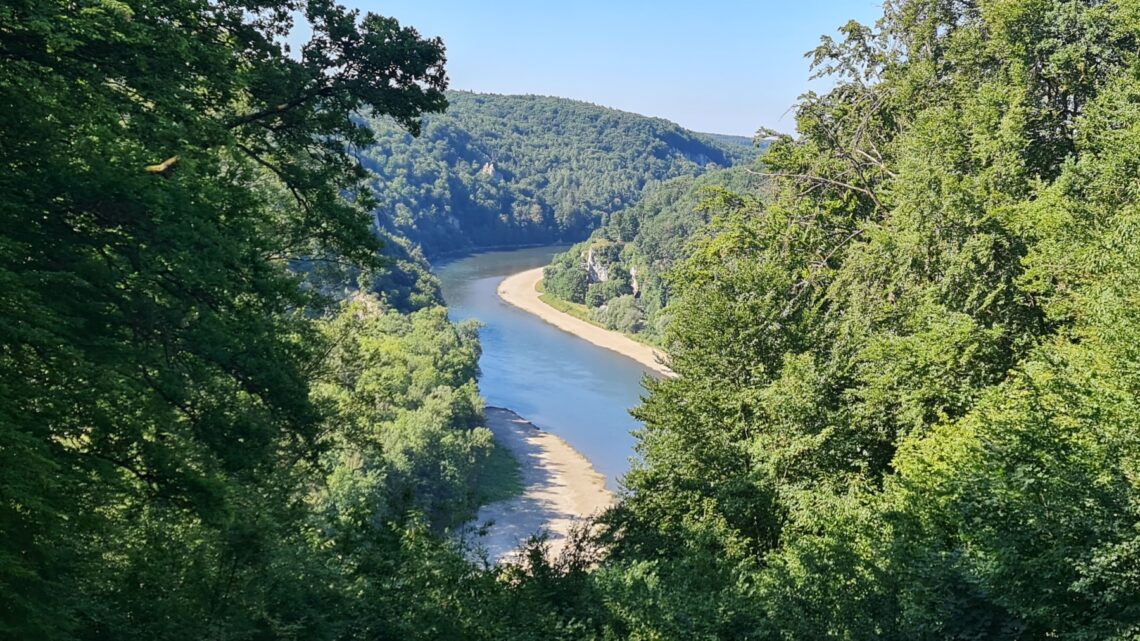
(619,272)
(727,139)
(190,427)
(907,392)
(511,170)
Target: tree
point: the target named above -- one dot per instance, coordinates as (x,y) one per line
(162,166)
(504,170)
(644,242)
(903,386)
(567,279)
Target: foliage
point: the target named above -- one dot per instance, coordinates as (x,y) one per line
(406,412)
(509,170)
(619,313)
(906,395)
(598,294)
(194,441)
(567,278)
(637,246)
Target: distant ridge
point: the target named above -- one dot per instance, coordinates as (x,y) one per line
(729,139)
(500,170)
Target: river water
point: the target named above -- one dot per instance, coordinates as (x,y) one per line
(555,380)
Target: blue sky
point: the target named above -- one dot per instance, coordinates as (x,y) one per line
(724,66)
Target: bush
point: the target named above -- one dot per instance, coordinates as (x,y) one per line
(566,280)
(620,314)
(597,294)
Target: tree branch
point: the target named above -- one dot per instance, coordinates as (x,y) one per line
(282,108)
(277,171)
(820,179)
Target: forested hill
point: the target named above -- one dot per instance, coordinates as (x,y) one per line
(619,272)
(507,170)
(907,402)
(725,139)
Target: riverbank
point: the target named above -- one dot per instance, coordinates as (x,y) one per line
(521,291)
(561,488)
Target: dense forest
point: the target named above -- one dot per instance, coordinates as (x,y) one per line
(511,170)
(906,403)
(207,428)
(620,273)
(907,380)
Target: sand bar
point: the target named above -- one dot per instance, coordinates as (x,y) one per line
(520,290)
(561,489)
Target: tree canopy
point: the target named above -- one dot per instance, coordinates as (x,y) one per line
(172,395)
(509,170)
(906,402)
(906,379)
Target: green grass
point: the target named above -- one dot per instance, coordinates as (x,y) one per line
(577,310)
(502,477)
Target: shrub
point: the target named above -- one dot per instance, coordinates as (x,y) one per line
(620,313)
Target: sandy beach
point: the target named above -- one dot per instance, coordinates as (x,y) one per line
(562,487)
(520,290)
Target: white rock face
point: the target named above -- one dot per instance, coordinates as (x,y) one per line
(598,272)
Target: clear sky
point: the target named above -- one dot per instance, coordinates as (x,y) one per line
(723,66)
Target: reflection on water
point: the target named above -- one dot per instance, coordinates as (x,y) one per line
(559,382)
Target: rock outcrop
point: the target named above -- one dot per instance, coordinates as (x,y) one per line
(598,271)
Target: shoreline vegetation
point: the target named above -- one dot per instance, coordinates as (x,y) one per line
(556,486)
(521,290)
(582,312)
(560,489)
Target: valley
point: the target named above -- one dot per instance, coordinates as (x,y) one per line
(495,170)
(577,394)
(299,341)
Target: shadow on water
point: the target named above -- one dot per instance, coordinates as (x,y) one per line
(559,382)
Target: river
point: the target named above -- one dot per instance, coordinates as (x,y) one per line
(557,381)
